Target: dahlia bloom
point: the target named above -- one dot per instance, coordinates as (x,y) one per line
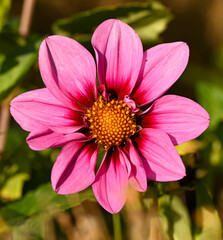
(74,113)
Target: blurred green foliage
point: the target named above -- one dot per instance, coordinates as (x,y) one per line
(175,217)
(4,11)
(15,61)
(17,56)
(148,19)
(36,207)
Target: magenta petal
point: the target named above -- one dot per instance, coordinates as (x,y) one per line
(160,158)
(38,108)
(162,66)
(25,121)
(119,55)
(73,170)
(180,117)
(110,186)
(45,138)
(69,72)
(137,177)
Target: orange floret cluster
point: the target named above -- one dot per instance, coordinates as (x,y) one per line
(110,122)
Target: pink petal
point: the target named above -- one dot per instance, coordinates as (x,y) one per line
(110,186)
(25,121)
(137,177)
(162,66)
(119,55)
(160,158)
(73,170)
(38,108)
(45,138)
(180,117)
(68,70)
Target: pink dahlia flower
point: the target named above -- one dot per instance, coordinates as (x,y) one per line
(72,112)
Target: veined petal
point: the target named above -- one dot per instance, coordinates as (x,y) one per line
(38,108)
(162,66)
(25,121)
(160,158)
(69,72)
(73,170)
(110,186)
(137,177)
(119,56)
(180,117)
(44,138)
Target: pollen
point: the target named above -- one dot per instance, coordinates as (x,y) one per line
(110,122)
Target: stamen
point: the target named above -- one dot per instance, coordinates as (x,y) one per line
(110,122)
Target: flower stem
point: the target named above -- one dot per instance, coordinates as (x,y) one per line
(26,17)
(117,226)
(4,123)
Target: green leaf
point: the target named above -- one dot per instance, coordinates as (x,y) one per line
(175,218)
(207,221)
(41,202)
(4,10)
(15,165)
(210,95)
(13,187)
(182,224)
(15,61)
(148,19)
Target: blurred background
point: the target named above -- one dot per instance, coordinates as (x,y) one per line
(188,209)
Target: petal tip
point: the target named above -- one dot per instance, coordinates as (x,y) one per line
(183,48)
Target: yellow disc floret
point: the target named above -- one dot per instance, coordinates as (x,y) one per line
(110,122)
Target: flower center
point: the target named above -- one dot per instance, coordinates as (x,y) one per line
(110,122)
